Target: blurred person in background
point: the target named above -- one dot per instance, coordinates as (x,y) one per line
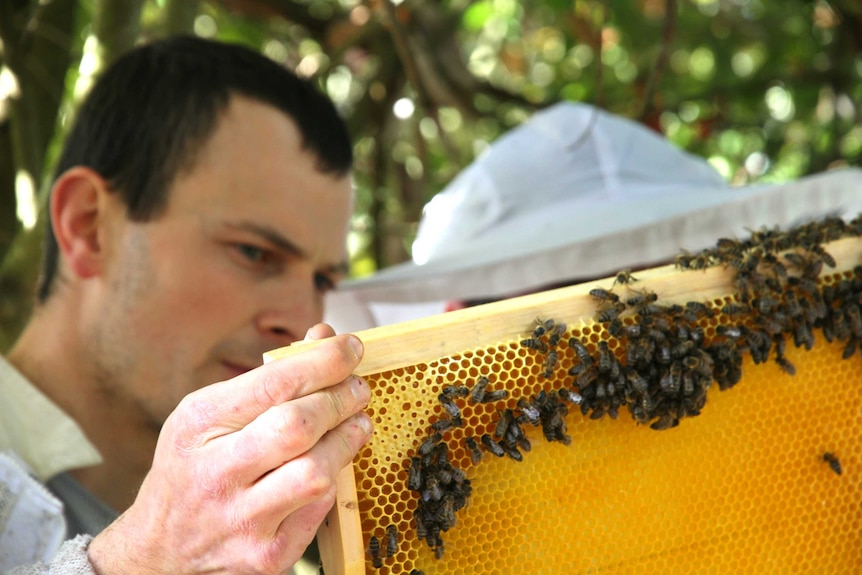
(571,195)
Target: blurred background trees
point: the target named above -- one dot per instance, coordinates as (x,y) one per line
(765,89)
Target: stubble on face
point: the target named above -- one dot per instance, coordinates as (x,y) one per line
(126,372)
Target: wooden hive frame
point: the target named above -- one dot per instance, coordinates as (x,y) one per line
(419,347)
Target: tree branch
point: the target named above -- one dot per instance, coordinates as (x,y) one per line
(668,33)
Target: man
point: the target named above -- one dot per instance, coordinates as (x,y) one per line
(198,216)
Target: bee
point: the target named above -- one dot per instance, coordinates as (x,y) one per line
(624,277)
(733,332)
(492,446)
(453,391)
(732,309)
(794,309)
(556,333)
(854,317)
(785,365)
(535,343)
(391,540)
(833,462)
(542,327)
(682,349)
(683,260)
(697,307)
(670,382)
(665,421)
(512,451)
(433,491)
(608,314)
(641,299)
(802,336)
(850,348)
(513,432)
(604,357)
(825,257)
(496,395)
(604,295)
(632,331)
(449,405)
(530,412)
(570,396)
(729,245)
(550,364)
(795,259)
(506,418)
(414,476)
(421,527)
(445,514)
(586,378)
(778,268)
(807,285)
(651,309)
(429,444)
(417,572)
(473,448)
(374,551)
(477,394)
(637,381)
(581,351)
(446,424)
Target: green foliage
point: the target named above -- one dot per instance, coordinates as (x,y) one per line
(765,89)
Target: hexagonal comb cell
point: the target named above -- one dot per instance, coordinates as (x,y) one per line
(537,437)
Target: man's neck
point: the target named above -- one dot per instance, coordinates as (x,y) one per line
(52,361)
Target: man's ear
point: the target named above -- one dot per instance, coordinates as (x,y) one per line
(79,201)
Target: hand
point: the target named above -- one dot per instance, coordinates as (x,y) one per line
(244,470)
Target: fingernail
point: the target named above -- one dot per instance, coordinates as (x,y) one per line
(360,390)
(364,422)
(356,346)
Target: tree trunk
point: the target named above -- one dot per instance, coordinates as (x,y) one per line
(37,44)
(39,55)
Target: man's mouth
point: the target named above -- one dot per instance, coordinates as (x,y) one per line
(236,369)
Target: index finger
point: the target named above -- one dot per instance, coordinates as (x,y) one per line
(232,404)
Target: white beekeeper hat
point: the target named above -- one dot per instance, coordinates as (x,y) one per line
(576,193)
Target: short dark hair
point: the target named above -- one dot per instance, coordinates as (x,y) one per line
(154,108)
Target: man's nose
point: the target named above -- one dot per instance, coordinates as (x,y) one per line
(290,312)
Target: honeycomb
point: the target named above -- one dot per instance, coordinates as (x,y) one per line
(761,476)
(742,488)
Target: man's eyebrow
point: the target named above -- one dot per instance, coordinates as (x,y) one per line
(278,239)
(339,270)
(272,236)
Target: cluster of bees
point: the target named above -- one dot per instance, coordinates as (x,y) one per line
(664,365)
(655,360)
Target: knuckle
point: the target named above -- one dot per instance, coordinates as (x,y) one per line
(342,360)
(337,402)
(275,386)
(268,558)
(316,478)
(292,430)
(191,422)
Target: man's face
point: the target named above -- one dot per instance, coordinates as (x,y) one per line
(252,237)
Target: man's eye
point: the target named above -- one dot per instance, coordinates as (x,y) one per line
(252,253)
(323,283)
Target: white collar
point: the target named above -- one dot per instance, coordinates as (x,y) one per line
(37,430)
